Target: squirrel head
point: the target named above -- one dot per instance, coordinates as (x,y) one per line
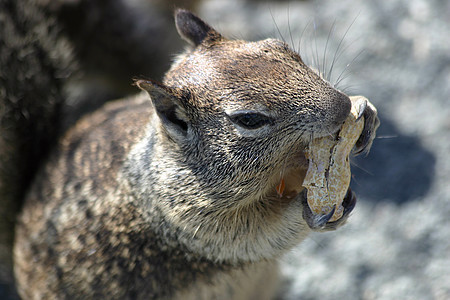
(249,107)
(233,121)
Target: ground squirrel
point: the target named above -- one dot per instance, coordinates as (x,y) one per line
(173,196)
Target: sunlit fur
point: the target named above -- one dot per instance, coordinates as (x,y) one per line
(166,197)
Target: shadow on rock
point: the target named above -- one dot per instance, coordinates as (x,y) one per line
(398,169)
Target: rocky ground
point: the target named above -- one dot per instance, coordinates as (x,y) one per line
(397,242)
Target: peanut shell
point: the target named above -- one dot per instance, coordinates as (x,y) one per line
(328,176)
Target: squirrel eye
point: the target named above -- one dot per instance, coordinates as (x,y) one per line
(249,120)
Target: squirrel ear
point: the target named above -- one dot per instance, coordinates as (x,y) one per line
(167,103)
(193,29)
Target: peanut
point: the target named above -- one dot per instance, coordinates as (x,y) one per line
(328,176)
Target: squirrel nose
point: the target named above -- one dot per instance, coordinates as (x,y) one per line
(343,106)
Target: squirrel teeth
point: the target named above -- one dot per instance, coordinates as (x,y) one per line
(328,176)
(280,188)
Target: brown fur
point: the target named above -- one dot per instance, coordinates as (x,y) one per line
(175,198)
(59,60)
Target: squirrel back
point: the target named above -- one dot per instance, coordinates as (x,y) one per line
(34,60)
(48,81)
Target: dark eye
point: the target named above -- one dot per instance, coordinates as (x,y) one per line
(250,120)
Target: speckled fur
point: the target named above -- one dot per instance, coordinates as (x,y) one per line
(168,199)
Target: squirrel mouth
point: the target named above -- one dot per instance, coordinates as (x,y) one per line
(290,185)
